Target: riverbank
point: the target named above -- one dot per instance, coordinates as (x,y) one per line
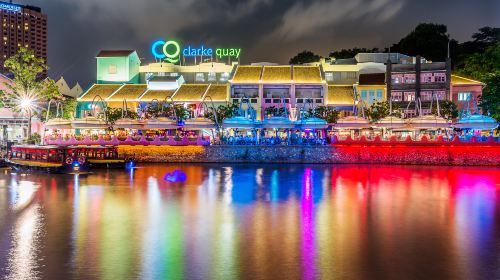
(459,155)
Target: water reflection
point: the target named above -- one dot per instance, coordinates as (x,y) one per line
(253,221)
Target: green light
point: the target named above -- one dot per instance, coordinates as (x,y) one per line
(172,57)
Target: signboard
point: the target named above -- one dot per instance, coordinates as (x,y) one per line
(171,51)
(10,7)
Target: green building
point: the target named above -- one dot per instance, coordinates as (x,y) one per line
(120,66)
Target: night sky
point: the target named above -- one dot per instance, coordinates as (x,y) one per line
(266,30)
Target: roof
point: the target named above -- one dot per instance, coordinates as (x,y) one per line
(149,95)
(277,74)
(114,53)
(306,74)
(459,80)
(218,93)
(340,95)
(190,92)
(372,79)
(247,74)
(128,92)
(103,90)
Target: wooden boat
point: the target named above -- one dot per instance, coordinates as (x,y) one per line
(51,159)
(102,156)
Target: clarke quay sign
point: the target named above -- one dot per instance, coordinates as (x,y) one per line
(171,51)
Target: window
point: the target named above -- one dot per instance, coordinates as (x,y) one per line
(300,100)
(319,100)
(112,69)
(267,101)
(462,96)
(276,100)
(441,95)
(372,94)
(363,94)
(426,77)
(409,78)
(426,95)
(329,76)
(379,94)
(397,96)
(439,77)
(173,74)
(212,77)
(224,77)
(409,96)
(200,77)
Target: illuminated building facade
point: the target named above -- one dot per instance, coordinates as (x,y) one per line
(342,84)
(22,26)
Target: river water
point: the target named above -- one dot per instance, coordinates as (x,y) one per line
(252,222)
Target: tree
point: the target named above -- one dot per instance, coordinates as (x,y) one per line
(381,109)
(349,53)
(329,114)
(479,65)
(223,112)
(427,39)
(114,114)
(490,99)
(447,109)
(305,57)
(27,91)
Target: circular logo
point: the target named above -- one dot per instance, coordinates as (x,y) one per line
(170,50)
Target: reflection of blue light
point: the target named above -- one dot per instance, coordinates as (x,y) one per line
(177,176)
(76,164)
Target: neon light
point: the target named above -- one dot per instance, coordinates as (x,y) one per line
(155,46)
(172,57)
(9,7)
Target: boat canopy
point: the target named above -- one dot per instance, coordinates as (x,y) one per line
(391,122)
(278,122)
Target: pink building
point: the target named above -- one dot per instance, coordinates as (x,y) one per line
(463,89)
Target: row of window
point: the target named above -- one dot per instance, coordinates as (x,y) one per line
(410,78)
(424,95)
(211,77)
(370,96)
(287,100)
(463,96)
(340,75)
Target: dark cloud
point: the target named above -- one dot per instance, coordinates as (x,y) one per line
(267,30)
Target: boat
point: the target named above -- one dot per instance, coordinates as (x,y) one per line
(50,159)
(102,156)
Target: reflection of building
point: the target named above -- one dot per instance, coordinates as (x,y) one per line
(22,26)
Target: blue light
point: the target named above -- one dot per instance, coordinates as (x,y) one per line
(76,164)
(154,48)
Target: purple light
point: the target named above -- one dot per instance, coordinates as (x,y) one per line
(308,242)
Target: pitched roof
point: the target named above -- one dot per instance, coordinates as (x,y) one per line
(149,95)
(103,90)
(128,92)
(114,53)
(459,80)
(277,74)
(247,74)
(306,74)
(218,92)
(340,95)
(190,92)
(372,79)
